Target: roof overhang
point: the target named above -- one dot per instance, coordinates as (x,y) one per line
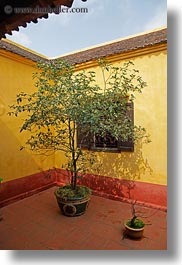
(128,47)
(11,20)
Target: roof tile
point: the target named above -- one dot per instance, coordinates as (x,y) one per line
(121,46)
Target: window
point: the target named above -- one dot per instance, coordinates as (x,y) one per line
(106,142)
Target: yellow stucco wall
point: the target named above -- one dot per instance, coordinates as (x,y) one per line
(151,113)
(147,163)
(16,76)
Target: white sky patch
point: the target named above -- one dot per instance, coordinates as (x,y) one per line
(94,11)
(158,20)
(20,38)
(125,5)
(63,19)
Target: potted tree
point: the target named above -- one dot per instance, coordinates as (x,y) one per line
(134,227)
(66,101)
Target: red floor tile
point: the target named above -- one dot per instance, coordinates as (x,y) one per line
(36,223)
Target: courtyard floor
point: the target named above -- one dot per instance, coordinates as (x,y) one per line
(35,223)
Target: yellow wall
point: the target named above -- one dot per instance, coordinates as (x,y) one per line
(146,163)
(16,76)
(151,112)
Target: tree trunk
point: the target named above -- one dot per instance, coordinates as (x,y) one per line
(74,175)
(133,221)
(74,161)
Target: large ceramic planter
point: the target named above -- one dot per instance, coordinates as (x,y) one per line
(135,233)
(72,206)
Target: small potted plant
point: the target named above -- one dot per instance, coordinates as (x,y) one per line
(134,227)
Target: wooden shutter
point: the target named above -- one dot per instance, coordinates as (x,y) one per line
(128,145)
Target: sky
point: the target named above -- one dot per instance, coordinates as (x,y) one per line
(105,20)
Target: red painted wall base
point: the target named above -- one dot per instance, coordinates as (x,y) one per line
(151,195)
(20,188)
(148,194)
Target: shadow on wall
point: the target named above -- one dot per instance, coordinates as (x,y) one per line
(126,165)
(118,175)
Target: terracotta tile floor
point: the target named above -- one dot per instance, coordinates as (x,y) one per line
(35,223)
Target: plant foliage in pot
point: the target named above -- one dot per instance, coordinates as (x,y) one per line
(134,227)
(65,100)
